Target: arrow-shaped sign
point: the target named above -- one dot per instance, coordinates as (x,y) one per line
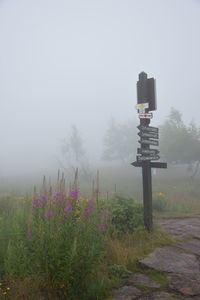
(148,135)
(148,142)
(145,158)
(147,151)
(148,128)
(151,164)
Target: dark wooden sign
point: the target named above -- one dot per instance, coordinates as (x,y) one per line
(147,151)
(148,128)
(148,135)
(146,91)
(149,142)
(154,165)
(147,158)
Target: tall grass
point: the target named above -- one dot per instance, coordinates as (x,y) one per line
(130,248)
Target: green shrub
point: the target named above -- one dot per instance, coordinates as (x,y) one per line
(119,271)
(126,214)
(159,202)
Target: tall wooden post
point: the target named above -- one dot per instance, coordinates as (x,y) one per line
(146,100)
(147,186)
(147,195)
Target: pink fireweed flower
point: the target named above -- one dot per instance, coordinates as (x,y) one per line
(90,203)
(89,210)
(102,227)
(59,198)
(90,207)
(74,194)
(49,214)
(68,209)
(39,202)
(104,216)
(105,213)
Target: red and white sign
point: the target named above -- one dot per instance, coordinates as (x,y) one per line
(146,115)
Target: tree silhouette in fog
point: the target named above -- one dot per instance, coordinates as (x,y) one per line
(73,154)
(180,143)
(120,142)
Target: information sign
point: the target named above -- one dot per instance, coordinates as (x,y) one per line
(148,135)
(148,142)
(147,151)
(146,158)
(148,128)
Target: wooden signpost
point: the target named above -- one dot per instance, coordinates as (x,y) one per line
(149,135)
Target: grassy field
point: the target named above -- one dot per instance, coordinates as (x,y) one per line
(182,192)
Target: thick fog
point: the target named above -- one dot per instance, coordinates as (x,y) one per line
(68,62)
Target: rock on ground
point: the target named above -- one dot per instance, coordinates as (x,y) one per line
(187,284)
(192,245)
(126,293)
(159,296)
(143,280)
(172,260)
(182,228)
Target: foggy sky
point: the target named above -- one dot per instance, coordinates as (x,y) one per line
(77,62)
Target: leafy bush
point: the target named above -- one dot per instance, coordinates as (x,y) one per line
(126,214)
(119,271)
(159,202)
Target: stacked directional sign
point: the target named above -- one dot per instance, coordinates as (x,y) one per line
(148,136)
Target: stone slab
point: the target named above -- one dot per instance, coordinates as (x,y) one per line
(126,293)
(143,280)
(191,245)
(182,228)
(159,296)
(172,260)
(187,284)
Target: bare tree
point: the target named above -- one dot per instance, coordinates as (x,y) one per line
(73,154)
